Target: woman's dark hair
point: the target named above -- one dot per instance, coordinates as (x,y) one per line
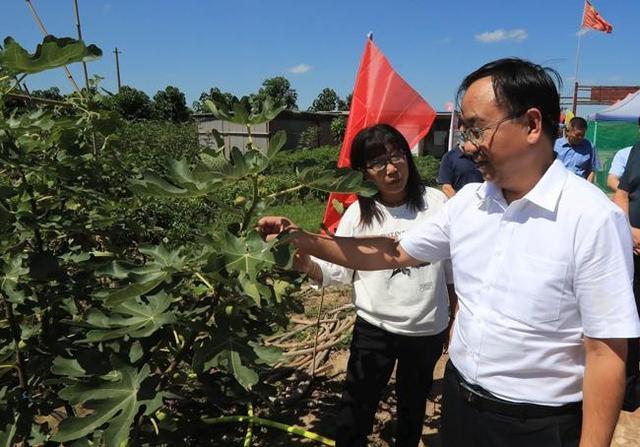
(519,85)
(372,142)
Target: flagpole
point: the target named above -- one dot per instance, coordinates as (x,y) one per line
(575,85)
(452,129)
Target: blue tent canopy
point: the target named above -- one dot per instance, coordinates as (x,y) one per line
(627,109)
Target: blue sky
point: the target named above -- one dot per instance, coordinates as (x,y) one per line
(236,44)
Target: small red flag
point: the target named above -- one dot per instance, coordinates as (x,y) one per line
(592,19)
(380,96)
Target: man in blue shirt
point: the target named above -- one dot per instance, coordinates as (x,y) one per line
(456,170)
(617,168)
(576,152)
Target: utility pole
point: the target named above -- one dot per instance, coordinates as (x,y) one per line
(79,28)
(116,52)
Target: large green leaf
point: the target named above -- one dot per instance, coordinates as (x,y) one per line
(247,257)
(10,275)
(337,180)
(67,367)
(144,284)
(266,354)
(51,53)
(183,181)
(144,279)
(114,403)
(224,351)
(134,319)
(154,185)
(240,114)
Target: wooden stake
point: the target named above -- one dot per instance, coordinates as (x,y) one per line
(45,33)
(79,28)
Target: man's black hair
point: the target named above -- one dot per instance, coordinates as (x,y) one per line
(578,122)
(372,142)
(519,85)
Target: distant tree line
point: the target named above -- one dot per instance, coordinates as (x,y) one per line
(170,104)
(280,91)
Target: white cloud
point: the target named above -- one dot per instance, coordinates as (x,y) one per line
(500,35)
(300,69)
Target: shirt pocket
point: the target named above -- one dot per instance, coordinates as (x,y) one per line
(536,287)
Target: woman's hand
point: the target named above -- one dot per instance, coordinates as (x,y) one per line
(302,262)
(271,226)
(635,233)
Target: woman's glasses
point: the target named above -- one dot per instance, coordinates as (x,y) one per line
(380,164)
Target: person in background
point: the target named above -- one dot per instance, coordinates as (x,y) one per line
(628,198)
(456,170)
(617,168)
(543,280)
(576,152)
(402,314)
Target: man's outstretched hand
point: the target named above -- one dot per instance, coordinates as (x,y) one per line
(271,226)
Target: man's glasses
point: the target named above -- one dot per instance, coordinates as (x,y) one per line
(474,135)
(381,163)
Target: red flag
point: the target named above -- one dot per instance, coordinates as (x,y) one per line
(592,19)
(380,96)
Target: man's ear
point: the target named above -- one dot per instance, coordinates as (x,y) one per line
(533,119)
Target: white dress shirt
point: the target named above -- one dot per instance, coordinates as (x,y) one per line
(532,277)
(409,301)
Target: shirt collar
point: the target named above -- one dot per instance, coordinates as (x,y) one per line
(544,194)
(564,142)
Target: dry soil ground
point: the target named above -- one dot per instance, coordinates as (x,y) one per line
(316,412)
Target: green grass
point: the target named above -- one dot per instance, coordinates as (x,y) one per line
(307,215)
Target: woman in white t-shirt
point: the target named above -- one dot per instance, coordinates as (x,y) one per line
(402,314)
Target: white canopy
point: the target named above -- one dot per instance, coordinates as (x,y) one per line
(627,109)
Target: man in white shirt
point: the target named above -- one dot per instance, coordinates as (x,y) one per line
(542,268)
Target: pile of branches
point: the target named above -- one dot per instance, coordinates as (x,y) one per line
(307,344)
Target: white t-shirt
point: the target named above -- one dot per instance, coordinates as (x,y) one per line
(410,301)
(533,278)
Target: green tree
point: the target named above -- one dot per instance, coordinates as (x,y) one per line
(132,103)
(279,90)
(123,342)
(226,99)
(50,93)
(170,104)
(338,128)
(345,106)
(327,101)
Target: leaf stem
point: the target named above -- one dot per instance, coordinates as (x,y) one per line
(254,204)
(205,281)
(293,429)
(15,332)
(249,137)
(249,435)
(285,191)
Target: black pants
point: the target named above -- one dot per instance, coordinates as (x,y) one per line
(374,353)
(631,395)
(467,425)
